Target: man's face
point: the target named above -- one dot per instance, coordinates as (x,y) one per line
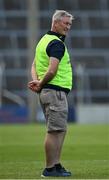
(62,26)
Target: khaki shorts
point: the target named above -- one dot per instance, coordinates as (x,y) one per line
(55,108)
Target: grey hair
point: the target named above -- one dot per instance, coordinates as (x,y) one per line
(61,13)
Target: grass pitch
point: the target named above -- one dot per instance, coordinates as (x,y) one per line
(85,152)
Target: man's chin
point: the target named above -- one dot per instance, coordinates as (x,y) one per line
(64,33)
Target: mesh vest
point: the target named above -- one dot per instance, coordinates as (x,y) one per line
(63,77)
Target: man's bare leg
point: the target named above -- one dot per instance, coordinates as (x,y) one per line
(53,147)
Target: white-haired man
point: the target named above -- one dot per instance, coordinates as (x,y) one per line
(52,79)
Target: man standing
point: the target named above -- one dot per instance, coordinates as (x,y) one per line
(52,78)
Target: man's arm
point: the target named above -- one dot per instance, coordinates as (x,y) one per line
(51,72)
(37,85)
(33,71)
(33,84)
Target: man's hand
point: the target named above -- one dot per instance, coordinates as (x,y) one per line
(34,85)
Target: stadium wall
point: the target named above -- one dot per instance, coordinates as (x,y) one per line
(92,113)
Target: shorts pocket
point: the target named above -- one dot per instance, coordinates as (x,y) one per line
(57,118)
(45,96)
(54,108)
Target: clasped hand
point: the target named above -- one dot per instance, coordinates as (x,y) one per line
(35,85)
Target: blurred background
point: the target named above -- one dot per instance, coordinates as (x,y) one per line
(22,23)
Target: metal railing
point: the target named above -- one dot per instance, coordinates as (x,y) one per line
(78,32)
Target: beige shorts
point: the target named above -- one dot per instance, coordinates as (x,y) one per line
(55,108)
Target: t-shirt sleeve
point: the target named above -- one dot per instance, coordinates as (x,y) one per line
(56,49)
